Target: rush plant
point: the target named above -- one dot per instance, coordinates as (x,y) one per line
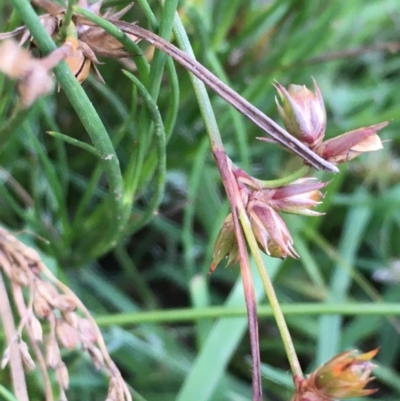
(60,45)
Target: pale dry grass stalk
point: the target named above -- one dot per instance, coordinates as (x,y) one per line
(39,297)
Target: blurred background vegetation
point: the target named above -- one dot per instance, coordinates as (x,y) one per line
(54,190)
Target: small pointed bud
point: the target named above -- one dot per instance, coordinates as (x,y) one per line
(36,328)
(269,229)
(71,318)
(26,356)
(303,113)
(243,178)
(19,276)
(101,42)
(298,197)
(88,331)
(65,303)
(225,244)
(79,65)
(47,291)
(67,335)
(53,355)
(41,306)
(347,146)
(95,7)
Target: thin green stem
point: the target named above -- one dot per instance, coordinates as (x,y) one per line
(200,90)
(264,311)
(161,153)
(8,396)
(225,92)
(301,172)
(270,291)
(67,19)
(74,142)
(134,171)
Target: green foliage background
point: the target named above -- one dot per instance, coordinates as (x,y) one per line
(60,192)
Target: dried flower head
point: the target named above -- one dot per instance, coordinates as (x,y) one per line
(41,296)
(344,376)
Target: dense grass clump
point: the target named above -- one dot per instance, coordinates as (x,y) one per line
(115,185)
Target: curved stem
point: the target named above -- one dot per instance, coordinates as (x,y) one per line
(67,19)
(73,141)
(161,153)
(280,182)
(251,304)
(242,105)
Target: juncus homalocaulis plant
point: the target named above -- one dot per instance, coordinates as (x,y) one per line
(261,203)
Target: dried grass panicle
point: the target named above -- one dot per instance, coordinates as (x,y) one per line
(40,297)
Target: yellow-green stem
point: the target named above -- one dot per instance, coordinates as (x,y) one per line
(280,182)
(67,19)
(269,290)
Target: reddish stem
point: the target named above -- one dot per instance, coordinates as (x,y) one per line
(232,191)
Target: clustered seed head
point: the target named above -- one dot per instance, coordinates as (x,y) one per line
(344,376)
(263,205)
(303,114)
(47,301)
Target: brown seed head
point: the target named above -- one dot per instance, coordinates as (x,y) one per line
(344,376)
